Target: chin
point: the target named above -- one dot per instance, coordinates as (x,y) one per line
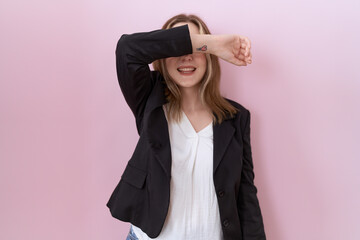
(188,85)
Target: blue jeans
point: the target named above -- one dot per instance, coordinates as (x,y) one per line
(131,235)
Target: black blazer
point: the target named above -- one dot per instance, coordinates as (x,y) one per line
(143,193)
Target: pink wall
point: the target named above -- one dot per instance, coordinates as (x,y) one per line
(66,132)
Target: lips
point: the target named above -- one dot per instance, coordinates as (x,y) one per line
(186,69)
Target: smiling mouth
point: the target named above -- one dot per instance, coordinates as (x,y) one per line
(186,70)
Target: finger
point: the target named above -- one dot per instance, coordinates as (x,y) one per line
(240,54)
(249,55)
(240,62)
(246,54)
(241,57)
(248,43)
(248,59)
(245,49)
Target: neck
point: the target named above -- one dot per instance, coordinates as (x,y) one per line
(190,99)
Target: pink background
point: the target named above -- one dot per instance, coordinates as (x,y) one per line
(66,132)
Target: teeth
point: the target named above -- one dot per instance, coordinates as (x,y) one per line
(186,69)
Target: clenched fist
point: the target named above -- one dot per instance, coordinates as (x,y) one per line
(233,48)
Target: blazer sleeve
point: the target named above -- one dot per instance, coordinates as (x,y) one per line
(133,54)
(248,204)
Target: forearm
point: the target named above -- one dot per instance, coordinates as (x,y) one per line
(229,47)
(205,43)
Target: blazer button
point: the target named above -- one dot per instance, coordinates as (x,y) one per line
(226,223)
(221,193)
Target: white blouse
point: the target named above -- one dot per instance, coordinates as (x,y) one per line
(193,212)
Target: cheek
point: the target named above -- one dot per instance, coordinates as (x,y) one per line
(204,60)
(201,59)
(204,66)
(170,65)
(203,63)
(170,61)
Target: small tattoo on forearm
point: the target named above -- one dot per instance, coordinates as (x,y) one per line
(203,48)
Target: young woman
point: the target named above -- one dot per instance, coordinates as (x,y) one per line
(191,175)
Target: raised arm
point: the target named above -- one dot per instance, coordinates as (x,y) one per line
(133,54)
(135,51)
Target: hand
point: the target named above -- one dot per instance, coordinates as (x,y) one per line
(234,49)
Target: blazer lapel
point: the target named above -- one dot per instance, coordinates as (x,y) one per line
(222,135)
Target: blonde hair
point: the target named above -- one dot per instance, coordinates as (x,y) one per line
(210,84)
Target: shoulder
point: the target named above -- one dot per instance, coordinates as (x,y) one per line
(242,117)
(242,110)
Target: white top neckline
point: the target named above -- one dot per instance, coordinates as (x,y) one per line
(189,130)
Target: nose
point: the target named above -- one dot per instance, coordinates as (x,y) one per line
(187,57)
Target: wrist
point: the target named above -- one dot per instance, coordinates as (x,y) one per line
(204,43)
